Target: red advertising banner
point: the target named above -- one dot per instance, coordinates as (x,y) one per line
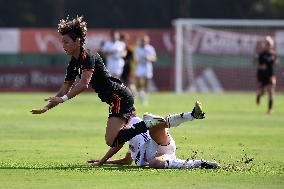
(51,78)
(201,40)
(215,78)
(31,78)
(49,41)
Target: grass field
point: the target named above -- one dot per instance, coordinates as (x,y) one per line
(50,150)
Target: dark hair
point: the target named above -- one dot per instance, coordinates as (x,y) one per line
(75,28)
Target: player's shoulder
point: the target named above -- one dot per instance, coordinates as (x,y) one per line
(97,57)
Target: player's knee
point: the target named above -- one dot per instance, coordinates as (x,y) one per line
(157,164)
(109,141)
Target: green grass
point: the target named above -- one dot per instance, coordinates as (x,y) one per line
(50,150)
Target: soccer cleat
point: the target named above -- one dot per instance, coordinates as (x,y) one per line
(197,112)
(209,165)
(152,120)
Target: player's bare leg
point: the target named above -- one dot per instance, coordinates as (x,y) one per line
(141,89)
(158,162)
(158,132)
(117,132)
(114,125)
(271,91)
(259,94)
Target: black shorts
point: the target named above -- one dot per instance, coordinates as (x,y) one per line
(122,103)
(265,78)
(125,73)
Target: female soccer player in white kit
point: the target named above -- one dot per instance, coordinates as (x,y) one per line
(156,147)
(114,51)
(145,55)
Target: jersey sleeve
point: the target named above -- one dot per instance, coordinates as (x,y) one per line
(71,73)
(88,62)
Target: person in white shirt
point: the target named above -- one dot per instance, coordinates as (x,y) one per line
(114,50)
(156,148)
(145,55)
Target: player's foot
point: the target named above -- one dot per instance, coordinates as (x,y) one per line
(209,165)
(257,102)
(152,120)
(197,112)
(269,111)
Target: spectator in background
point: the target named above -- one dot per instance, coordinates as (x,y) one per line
(114,50)
(145,56)
(266,78)
(128,75)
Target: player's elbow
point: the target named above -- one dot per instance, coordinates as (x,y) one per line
(84,85)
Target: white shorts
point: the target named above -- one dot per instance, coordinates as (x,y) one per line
(115,68)
(150,149)
(143,70)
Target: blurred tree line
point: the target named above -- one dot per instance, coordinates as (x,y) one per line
(132,13)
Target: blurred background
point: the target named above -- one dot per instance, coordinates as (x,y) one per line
(215,55)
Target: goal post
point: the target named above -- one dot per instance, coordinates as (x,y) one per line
(214,55)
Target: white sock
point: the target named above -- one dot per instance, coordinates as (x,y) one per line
(182,164)
(176,119)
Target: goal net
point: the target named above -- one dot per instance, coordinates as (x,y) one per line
(216,55)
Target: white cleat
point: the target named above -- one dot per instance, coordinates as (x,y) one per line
(152,120)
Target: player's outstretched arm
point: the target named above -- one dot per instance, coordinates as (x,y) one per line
(127,160)
(77,89)
(105,160)
(109,154)
(63,90)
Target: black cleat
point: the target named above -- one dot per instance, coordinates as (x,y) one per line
(209,165)
(197,112)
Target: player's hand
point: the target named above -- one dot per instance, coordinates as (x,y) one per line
(55,100)
(38,111)
(95,162)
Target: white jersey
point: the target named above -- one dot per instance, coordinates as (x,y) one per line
(144,68)
(143,149)
(114,60)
